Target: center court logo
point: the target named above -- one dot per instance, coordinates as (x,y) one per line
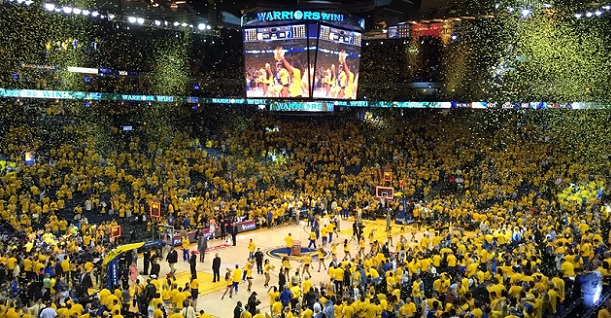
(281,252)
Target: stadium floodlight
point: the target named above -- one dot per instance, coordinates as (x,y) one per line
(208,27)
(28,2)
(77,11)
(49,6)
(157,22)
(578,15)
(140,21)
(131,19)
(111,17)
(86,12)
(165,22)
(598,13)
(67,10)
(589,14)
(184,24)
(95,14)
(201,26)
(20,1)
(525,13)
(191,25)
(176,23)
(607,7)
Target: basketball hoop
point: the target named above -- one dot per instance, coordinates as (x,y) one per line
(386,193)
(167,234)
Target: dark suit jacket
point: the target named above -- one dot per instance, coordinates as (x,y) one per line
(172,256)
(86,281)
(216,263)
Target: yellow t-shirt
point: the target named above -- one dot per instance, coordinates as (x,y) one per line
(349,92)
(295,88)
(237,275)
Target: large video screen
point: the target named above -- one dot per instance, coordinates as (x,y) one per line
(337,63)
(277,63)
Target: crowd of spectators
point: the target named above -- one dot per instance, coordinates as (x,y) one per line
(531,217)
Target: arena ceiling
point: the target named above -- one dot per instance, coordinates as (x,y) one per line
(378,14)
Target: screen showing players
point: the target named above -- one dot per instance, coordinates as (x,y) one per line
(277,62)
(337,63)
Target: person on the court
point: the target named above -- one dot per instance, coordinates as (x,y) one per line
(321,259)
(267,269)
(289,244)
(312,240)
(306,265)
(228,283)
(323,233)
(237,274)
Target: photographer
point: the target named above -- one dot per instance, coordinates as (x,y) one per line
(253,302)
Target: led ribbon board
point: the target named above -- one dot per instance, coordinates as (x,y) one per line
(297,105)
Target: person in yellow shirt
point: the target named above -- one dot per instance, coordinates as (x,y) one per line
(237,275)
(347,309)
(323,233)
(408,310)
(417,291)
(176,314)
(338,275)
(321,259)
(307,261)
(347,254)
(567,268)
(251,249)
(65,265)
(179,298)
(307,313)
(293,67)
(203,314)
(312,240)
(289,243)
(194,291)
(185,248)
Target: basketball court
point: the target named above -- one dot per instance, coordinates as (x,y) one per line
(271,242)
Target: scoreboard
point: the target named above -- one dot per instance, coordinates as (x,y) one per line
(340,36)
(275,33)
(308,45)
